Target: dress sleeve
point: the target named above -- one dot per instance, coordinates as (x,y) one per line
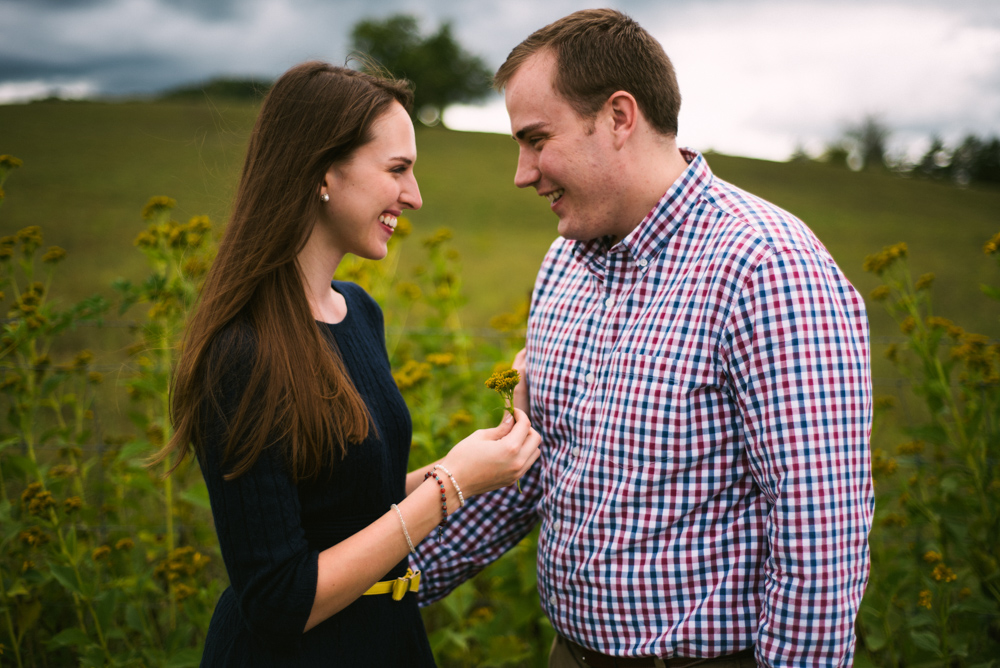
(271,568)
(798,359)
(477,535)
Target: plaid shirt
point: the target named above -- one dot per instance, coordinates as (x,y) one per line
(703,392)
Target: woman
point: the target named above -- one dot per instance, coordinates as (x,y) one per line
(285,392)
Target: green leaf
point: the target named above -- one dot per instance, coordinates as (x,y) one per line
(927,641)
(133,618)
(24,465)
(66,577)
(197,495)
(28,614)
(18,589)
(991,292)
(185,658)
(72,637)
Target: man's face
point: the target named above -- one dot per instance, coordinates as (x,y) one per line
(568,159)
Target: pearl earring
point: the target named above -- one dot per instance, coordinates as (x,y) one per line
(325,197)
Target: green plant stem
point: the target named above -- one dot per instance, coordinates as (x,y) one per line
(168,483)
(14,639)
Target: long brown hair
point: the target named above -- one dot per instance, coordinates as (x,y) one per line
(315,116)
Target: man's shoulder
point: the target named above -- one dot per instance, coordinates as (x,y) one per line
(754,219)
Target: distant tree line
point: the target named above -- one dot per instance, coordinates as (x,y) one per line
(865,146)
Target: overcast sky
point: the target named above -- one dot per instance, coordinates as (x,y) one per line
(758,77)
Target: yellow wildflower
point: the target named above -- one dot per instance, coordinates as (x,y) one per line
(440,236)
(932,557)
(924,282)
(992,245)
(441,359)
(409,290)
(411,373)
(95,377)
(910,447)
(10,162)
(882,465)
(54,254)
(884,402)
(880,262)
(100,553)
(72,504)
(33,537)
(182,591)
(125,544)
(157,205)
(925,599)
(908,325)
(944,574)
(894,520)
(880,293)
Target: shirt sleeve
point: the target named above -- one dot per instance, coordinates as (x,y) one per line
(271,568)
(477,534)
(799,363)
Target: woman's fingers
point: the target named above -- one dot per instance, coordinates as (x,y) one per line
(521,391)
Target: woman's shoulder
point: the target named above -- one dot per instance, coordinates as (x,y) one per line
(356,297)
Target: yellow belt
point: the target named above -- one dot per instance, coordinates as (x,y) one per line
(397,587)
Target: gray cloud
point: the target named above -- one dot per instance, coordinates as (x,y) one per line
(753,72)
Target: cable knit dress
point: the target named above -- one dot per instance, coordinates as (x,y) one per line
(271,531)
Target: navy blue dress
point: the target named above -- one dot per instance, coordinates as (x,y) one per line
(271,531)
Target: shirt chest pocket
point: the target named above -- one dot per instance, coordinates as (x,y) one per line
(656,411)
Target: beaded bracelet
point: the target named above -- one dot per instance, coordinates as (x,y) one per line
(406,533)
(461,499)
(444,503)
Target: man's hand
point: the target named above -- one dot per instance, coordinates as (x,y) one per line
(522,392)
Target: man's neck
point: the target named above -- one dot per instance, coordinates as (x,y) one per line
(653,171)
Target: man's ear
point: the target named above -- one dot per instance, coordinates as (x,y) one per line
(623,112)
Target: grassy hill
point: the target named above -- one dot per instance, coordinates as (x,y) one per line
(90,167)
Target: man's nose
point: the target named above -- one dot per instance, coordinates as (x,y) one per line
(527,169)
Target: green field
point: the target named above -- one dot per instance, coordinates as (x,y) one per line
(90,167)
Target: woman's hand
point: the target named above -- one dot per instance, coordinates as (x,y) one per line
(489,459)
(522,392)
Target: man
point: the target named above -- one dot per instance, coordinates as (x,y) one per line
(698,370)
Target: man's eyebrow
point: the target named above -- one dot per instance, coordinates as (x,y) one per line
(528,129)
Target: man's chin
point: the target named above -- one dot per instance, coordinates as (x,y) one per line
(570,233)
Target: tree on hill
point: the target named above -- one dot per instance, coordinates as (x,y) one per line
(868,140)
(442,71)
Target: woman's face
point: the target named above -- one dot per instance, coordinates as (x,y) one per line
(370,191)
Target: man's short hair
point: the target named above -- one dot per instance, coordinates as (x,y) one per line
(599,52)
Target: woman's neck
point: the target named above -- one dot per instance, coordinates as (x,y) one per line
(317,265)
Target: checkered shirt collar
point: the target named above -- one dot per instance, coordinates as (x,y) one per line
(655,230)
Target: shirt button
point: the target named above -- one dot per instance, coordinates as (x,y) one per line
(609,302)
(576,452)
(591,377)
(556,525)
(642,263)
(552,599)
